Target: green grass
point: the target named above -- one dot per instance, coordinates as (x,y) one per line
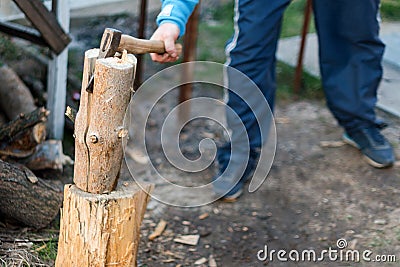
(310,85)
(214,33)
(47,251)
(390,10)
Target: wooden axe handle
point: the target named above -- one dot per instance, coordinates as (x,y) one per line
(140,46)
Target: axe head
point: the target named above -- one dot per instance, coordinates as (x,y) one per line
(109,42)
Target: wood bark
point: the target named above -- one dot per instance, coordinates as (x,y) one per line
(15,97)
(26,198)
(81,165)
(99,128)
(101,230)
(19,137)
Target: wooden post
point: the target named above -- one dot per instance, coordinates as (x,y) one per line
(141,30)
(299,67)
(57,80)
(102,229)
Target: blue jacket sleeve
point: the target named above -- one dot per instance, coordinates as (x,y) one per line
(176,11)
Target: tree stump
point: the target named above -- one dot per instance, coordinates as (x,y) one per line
(101,230)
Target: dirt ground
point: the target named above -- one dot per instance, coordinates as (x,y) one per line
(315,194)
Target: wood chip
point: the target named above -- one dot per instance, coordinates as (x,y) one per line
(380,221)
(169,253)
(331,143)
(211,261)
(282,120)
(136,155)
(200,261)
(168,260)
(31,176)
(41,248)
(203,216)
(159,230)
(71,113)
(190,240)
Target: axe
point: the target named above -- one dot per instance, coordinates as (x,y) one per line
(114,41)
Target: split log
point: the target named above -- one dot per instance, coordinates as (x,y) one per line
(8,131)
(99,128)
(26,198)
(101,230)
(19,137)
(15,97)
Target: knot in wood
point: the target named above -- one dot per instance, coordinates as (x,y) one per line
(94,139)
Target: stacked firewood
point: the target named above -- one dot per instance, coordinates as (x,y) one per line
(24,151)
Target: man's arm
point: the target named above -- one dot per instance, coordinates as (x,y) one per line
(172,23)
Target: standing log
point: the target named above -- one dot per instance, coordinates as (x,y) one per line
(99,128)
(15,97)
(101,230)
(26,198)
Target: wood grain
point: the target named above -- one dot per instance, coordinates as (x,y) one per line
(101,230)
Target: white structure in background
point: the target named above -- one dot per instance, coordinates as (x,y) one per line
(57,73)
(83,8)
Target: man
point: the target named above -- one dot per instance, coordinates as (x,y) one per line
(350,62)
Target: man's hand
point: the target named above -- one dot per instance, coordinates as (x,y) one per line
(169,33)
